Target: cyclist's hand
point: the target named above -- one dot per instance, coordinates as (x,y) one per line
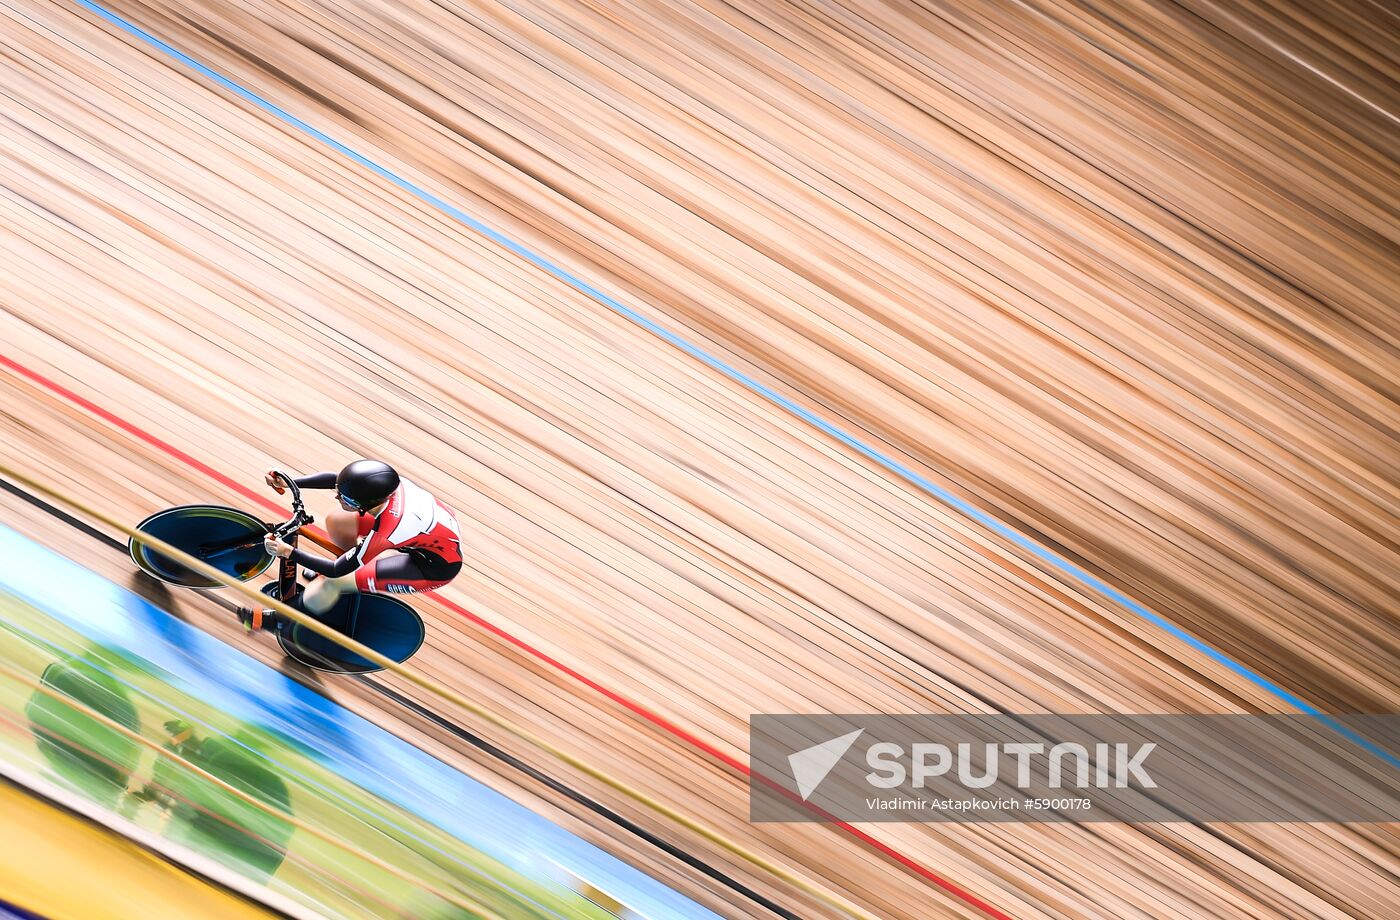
(276,547)
(275,481)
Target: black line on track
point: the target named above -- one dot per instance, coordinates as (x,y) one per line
(463,734)
(62,515)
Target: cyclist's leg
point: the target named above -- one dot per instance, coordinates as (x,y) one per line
(392,573)
(401,573)
(321,595)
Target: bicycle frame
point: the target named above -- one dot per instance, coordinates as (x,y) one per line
(288,532)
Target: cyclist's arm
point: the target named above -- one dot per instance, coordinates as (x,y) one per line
(343,564)
(370,546)
(316,481)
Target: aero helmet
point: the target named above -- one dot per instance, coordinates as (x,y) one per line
(366,483)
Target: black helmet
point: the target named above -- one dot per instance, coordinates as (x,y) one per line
(366,483)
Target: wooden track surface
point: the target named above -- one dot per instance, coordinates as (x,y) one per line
(1127,281)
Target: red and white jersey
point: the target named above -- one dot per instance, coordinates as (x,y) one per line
(413,520)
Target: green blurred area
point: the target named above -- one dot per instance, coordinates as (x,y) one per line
(45,734)
(102,760)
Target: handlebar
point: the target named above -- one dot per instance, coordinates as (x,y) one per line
(299,515)
(291,484)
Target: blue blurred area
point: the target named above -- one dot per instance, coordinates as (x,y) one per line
(10,912)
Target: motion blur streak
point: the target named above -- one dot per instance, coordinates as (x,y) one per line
(977,514)
(1123,278)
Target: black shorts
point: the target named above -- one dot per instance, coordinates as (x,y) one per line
(405,573)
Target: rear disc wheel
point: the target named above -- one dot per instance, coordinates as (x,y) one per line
(385,624)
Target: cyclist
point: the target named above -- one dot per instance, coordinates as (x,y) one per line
(393,536)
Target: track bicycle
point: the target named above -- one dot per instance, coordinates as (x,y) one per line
(231,540)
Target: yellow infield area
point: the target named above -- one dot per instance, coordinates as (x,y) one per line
(43,848)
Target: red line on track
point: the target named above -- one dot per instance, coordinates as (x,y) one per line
(637,708)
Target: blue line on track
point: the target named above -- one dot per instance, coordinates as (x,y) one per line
(1048,556)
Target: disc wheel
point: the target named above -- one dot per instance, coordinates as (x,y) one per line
(226,538)
(385,624)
